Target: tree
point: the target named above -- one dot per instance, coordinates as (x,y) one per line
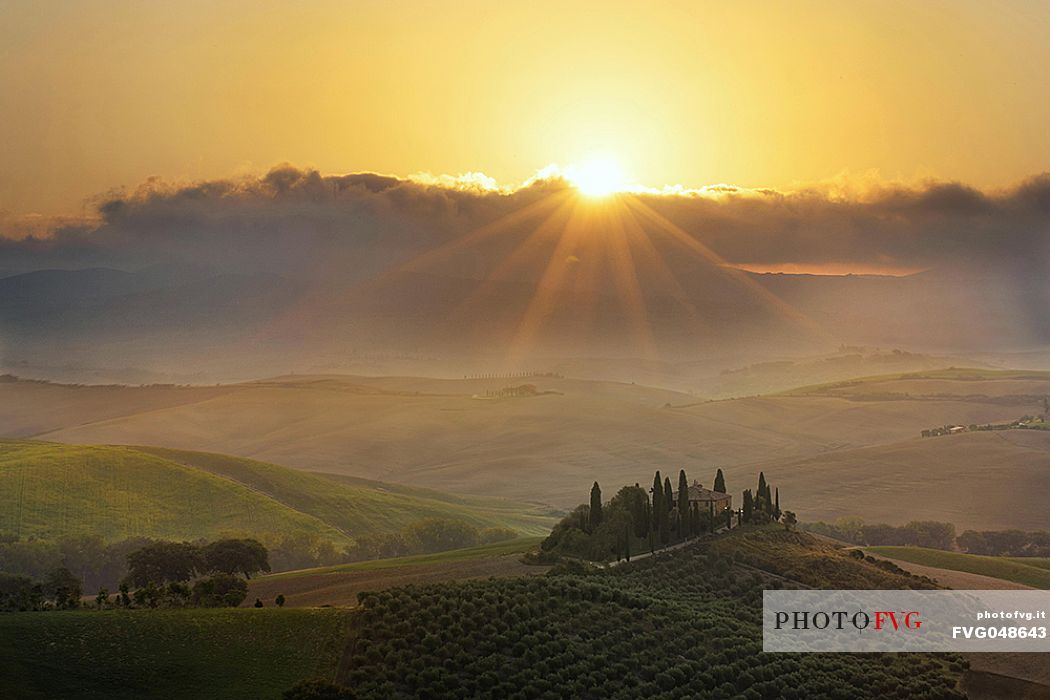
(63,588)
(789,520)
(638,506)
(776,506)
(665,512)
(490,535)
(683,504)
(162,562)
(279,600)
(317,689)
(720,482)
(658,501)
(258,603)
(762,496)
(16,593)
(147,595)
(596,506)
(101,598)
(749,506)
(222,590)
(931,534)
(440,535)
(236,556)
(974,542)
(178,593)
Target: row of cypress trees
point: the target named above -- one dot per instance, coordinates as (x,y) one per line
(763,504)
(665,515)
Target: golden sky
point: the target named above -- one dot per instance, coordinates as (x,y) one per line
(103,94)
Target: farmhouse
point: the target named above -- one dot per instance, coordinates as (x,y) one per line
(707,497)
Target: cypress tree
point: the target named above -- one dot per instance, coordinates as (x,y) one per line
(762,497)
(720,482)
(683,504)
(776,506)
(666,504)
(711,514)
(639,511)
(596,506)
(658,501)
(749,506)
(651,531)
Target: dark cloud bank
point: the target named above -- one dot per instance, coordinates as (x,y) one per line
(310,265)
(293,221)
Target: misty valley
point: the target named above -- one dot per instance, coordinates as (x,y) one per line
(524,351)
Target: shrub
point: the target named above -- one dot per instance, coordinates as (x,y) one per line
(317,689)
(222,590)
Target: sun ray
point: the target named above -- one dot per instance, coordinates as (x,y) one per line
(553,200)
(627,285)
(772,301)
(547,230)
(549,286)
(650,253)
(298,316)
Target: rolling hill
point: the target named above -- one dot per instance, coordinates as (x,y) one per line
(682,624)
(847,448)
(178,654)
(983,480)
(435,433)
(340,585)
(50,490)
(1031,572)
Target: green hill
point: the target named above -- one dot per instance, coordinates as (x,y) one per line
(178,654)
(50,490)
(683,624)
(1029,572)
(958,381)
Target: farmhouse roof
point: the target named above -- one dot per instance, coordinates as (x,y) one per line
(698,493)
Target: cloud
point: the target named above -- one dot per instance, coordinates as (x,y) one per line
(299,222)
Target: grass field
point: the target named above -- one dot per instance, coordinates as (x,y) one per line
(961,381)
(339,585)
(485,551)
(945,479)
(50,490)
(683,624)
(1017,569)
(175,654)
(430,433)
(362,505)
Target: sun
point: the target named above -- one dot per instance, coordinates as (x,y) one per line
(598,177)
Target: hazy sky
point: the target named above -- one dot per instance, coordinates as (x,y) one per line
(103,94)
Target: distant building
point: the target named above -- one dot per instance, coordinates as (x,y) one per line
(707,497)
